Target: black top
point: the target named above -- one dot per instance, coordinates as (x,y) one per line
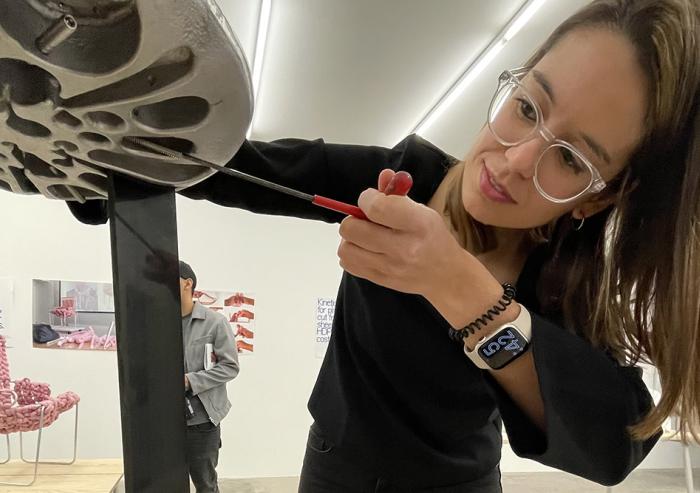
(394,392)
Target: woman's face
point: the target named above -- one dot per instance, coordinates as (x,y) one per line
(592,94)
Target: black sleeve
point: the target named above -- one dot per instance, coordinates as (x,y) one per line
(337,171)
(589,402)
(340,172)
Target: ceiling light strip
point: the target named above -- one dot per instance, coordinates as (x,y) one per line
(259,53)
(518,21)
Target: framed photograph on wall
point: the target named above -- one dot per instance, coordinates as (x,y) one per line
(95,297)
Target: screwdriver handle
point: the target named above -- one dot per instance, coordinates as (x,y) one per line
(335,205)
(400,184)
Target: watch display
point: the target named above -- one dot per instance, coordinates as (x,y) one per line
(503,347)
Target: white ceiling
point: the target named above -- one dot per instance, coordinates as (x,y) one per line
(366,71)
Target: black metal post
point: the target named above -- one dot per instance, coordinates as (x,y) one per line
(149,336)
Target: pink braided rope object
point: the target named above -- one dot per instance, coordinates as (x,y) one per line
(88,336)
(21,401)
(5,397)
(63,311)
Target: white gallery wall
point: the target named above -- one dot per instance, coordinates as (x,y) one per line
(286,263)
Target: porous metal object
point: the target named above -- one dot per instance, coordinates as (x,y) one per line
(78,76)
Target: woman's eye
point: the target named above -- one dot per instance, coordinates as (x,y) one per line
(526,109)
(571,161)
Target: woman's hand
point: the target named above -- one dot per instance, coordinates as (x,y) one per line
(404,246)
(407,247)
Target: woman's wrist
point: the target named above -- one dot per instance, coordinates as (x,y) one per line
(510,313)
(465,292)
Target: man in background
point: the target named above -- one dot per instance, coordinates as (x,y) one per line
(211,360)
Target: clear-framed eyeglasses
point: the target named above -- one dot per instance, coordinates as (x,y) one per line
(562,172)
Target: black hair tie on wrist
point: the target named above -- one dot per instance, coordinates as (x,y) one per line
(469,329)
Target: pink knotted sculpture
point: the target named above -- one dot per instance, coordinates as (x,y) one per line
(63,312)
(21,401)
(28,406)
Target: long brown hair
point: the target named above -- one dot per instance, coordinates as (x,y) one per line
(629,281)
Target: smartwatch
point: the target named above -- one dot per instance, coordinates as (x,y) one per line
(505,345)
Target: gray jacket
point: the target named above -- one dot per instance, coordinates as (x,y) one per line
(210,327)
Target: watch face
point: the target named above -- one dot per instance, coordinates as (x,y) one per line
(503,347)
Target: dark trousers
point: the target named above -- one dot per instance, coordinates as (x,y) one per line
(202,449)
(324,471)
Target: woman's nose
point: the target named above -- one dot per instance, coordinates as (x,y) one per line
(522,158)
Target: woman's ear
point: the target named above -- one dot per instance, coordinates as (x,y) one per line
(592,207)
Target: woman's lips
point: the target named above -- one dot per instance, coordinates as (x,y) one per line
(491,189)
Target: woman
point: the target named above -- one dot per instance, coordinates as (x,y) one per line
(582,191)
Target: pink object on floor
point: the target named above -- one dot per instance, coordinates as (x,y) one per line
(88,336)
(21,400)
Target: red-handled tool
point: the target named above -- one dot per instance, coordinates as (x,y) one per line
(400,184)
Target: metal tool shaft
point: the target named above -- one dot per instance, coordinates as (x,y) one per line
(222,169)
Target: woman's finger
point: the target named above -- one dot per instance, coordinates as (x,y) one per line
(368,235)
(360,262)
(392,211)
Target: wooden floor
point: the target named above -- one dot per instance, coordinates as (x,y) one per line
(99,476)
(642,481)
(87,476)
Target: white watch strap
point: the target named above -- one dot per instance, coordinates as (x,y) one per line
(524,325)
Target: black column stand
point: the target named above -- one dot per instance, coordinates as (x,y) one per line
(143,233)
